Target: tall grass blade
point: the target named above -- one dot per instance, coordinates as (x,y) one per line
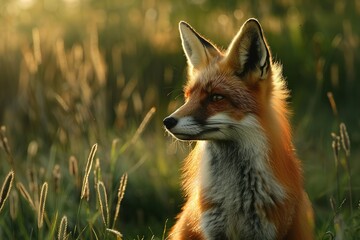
(140,129)
(25,194)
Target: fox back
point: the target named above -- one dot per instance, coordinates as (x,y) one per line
(242,180)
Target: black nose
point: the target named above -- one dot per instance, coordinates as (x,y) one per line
(170,122)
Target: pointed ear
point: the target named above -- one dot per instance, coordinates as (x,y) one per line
(248,51)
(199,52)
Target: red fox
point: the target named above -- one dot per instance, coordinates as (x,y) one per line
(242,180)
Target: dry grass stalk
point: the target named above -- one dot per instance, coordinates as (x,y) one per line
(345,140)
(332,103)
(62,235)
(143,125)
(74,169)
(120,196)
(87,191)
(25,194)
(32,149)
(34,185)
(97,175)
(5,189)
(116,233)
(336,148)
(87,170)
(61,102)
(56,176)
(61,57)
(14,204)
(101,190)
(5,144)
(97,60)
(97,172)
(36,45)
(73,166)
(41,208)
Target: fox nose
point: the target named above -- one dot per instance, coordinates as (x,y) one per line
(170,122)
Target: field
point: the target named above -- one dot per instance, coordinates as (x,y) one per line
(84,86)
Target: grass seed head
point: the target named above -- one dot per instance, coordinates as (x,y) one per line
(41,208)
(102,196)
(120,196)
(5,189)
(85,185)
(345,140)
(62,234)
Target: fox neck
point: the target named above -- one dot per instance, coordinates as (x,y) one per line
(237,176)
(242,165)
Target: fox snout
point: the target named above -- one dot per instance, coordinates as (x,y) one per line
(217,127)
(183,128)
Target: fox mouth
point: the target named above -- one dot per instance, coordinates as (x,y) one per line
(197,136)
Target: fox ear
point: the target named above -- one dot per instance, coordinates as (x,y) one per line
(199,52)
(248,51)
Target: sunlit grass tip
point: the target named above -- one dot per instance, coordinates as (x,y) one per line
(85,184)
(62,234)
(41,208)
(6,187)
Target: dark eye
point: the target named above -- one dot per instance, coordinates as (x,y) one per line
(216,97)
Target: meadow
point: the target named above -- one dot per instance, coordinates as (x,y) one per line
(85,84)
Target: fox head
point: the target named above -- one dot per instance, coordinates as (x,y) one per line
(224,89)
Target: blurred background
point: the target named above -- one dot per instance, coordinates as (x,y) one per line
(78,72)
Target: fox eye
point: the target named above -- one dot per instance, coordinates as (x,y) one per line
(216,97)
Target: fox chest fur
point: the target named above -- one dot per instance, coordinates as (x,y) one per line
(239,187)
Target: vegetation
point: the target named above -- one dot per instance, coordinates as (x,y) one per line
(84,86)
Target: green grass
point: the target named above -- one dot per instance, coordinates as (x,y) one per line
(75,75)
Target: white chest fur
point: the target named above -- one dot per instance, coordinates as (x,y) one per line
(236,178)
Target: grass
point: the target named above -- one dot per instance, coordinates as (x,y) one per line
(84,87)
